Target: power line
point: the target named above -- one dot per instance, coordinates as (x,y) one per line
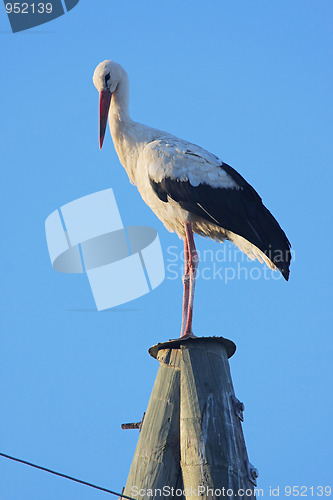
(65,476)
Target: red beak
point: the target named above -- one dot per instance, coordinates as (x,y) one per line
(104,106)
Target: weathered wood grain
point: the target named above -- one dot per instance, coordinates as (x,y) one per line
(191,438)
(213,452)
(156,462)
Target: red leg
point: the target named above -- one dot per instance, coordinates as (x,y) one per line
(186,281)
(193,261)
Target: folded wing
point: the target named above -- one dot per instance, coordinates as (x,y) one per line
(205,186)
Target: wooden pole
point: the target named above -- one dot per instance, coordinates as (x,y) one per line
(191,438)
(156,462)
(214,459)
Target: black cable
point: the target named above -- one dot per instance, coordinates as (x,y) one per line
(65,476)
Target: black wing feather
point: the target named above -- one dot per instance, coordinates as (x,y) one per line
(238,210)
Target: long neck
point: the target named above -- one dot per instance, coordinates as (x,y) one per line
(119,103)
(128,137)
(122,127)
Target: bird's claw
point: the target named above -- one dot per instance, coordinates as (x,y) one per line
(189,335)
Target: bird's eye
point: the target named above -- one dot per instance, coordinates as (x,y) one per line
(107,78)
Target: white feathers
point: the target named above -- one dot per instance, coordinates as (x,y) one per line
(181,160)
(250,250)
(114,72)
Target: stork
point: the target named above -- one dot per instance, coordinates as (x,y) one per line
(189,189)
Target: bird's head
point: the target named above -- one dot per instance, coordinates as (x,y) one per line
(106,78)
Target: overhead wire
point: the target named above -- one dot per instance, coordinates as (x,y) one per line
(80,481)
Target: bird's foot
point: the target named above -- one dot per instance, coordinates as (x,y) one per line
(189,335)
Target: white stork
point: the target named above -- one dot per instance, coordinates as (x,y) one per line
(188,188)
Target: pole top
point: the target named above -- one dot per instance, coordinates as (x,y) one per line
(230,347)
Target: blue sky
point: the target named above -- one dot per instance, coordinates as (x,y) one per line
(252,83)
